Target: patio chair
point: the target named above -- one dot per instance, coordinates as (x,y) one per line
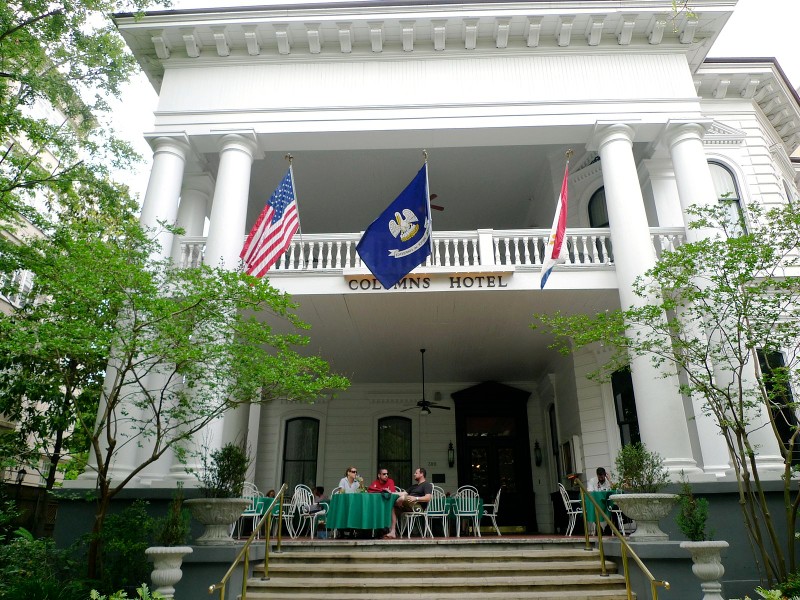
(573,508)
(467,506)
(437,509)
(250,492)
(303,499)
(491,510)
(409,519)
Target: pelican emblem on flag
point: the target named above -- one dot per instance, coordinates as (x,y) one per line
(405,226)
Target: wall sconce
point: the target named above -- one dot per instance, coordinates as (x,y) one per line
(451,455)
(21,476)
(537,454)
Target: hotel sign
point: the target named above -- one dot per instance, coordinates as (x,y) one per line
(433,282)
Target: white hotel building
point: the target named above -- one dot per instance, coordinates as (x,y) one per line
(496,92)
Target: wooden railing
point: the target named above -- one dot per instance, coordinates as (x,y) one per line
(452,249)
(265,524)
(626,550)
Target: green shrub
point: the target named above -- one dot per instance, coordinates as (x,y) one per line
(224,471)
(173,529)
(125,537)
(639,470)
(33,569)
(791,587)
(142,593)
(692,515)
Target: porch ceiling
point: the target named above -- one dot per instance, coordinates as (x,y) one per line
(469,336)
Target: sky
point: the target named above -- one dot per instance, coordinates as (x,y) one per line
(757,28)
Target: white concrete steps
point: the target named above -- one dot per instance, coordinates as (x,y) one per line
(441,571)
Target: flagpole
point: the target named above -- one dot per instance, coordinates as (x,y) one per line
(290,158)
(428,200)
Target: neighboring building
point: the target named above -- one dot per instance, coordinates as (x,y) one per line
(496,93)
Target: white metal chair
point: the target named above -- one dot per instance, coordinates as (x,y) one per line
(614,510)
(437,509)
(467,506)
(491,510)
(410,519)
(573,508)
(250,492)
(303,499)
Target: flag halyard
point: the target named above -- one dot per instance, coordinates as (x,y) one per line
(556,250)
(271,235)
(400,239)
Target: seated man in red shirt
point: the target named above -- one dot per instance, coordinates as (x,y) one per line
(383,482)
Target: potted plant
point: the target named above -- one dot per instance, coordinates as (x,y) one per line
(641,474)
(221,482)
(706,559)
(167,555)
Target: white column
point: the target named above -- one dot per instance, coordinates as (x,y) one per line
(194,208)
(695,187)
(164,187)
(229,209)
(662,420)
(226,235)
(665,192)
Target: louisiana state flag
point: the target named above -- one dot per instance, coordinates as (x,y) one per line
(401,237)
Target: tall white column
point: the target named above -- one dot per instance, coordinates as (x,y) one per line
(662,420)
(160,204)
(226,235)
(665,192)
(696,187)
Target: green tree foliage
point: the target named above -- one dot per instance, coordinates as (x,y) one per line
(59,64)
(713,307)
(186,345)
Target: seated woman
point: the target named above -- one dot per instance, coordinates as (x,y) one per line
(351,481)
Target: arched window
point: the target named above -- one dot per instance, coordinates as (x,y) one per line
(598,215)
(625,407)
(728,192)
(300,452)
(789,193)
(394,448)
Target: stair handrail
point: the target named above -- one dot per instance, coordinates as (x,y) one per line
(244,553)
(624,545)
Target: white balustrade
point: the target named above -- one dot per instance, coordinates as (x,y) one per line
(452,249)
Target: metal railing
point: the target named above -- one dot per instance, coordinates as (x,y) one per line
(626,550)
(244,554)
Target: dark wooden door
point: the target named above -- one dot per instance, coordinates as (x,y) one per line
(494,451)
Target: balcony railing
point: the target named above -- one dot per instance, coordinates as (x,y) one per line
(453,249)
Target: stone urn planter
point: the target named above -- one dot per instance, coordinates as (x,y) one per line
(707,566)
(217,514)
(647,510)
(167,572)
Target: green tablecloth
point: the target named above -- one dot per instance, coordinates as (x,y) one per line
(360,511)
(601,497)
(263,504)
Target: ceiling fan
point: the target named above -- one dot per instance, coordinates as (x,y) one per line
(435,207)
(425,406)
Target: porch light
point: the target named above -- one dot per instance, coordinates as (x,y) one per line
(21,476)
(451,455)
(537,453)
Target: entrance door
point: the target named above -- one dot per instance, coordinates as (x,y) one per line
(494,451)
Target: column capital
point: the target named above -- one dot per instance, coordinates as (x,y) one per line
(199,182)
(243,141)
(605,132)
(681,130)
(173,143)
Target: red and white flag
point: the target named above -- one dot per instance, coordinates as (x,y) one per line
(273,231)
(556,250)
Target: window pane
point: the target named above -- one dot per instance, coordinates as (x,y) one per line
(625,407)
(394,448)
(727,193)
(300,452)
(598,214)
(777,383)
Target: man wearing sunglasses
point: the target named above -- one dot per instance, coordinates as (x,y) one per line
(382,483)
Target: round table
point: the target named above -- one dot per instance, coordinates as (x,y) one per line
(360,510)
(601,497)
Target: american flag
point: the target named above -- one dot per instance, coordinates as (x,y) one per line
(273,231)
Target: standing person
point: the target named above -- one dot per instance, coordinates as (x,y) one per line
(419,494)
(351,481)
(383,482)
(600,483)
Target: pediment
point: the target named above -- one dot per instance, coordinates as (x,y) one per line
(720,134)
